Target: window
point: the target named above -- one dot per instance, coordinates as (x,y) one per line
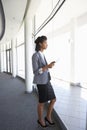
(81,53)
(21,53)
(21,61)
(58,44)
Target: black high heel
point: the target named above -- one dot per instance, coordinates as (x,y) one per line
(44,126)
(51,123)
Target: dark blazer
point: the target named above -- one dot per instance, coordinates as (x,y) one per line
(37,63)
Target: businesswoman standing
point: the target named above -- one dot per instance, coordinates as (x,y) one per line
(42,80)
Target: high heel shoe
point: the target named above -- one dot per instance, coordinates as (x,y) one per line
(44,126)
(51,123)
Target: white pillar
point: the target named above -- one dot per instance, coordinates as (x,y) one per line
(13,45)
(4,57)
(0,58)
(28,54)
(73,41)
(16,59)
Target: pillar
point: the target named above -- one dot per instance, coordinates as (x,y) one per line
(73,42)
(13,45)
(4,57)
(28,54)
(0,58)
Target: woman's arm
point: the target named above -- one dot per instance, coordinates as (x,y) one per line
(36,69)
(35,64)
(48,66)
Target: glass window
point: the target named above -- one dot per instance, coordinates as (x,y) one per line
(8,57)
(81,53)
(21,61)
(58,49)
(43,11)
(21,53)
(20,36)
(3,57)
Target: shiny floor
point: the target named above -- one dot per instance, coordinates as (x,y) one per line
(71,105)
(18,111)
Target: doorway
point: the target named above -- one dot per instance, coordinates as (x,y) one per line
(8,61)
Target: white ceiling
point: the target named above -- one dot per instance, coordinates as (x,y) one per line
(14,12)
(15,9)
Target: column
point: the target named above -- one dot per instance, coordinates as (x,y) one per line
(4,57)
(72,42)
(0,58)
(16,59)
(28,54)
(13,45)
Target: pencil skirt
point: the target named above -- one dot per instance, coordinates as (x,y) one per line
(45,92)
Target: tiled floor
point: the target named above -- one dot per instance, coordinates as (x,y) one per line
(71,105)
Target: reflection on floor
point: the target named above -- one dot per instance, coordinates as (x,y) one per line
(71,105)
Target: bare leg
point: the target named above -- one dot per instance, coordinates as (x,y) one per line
(40,113)
(50,108)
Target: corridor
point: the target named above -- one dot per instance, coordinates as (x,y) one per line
(63,24)
(17,109)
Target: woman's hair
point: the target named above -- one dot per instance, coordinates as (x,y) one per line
(38,41)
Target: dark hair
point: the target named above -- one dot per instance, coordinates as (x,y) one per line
(39,40)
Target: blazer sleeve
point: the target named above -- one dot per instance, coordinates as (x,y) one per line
(35,65)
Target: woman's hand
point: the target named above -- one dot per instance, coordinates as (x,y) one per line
(51,64)
(48,66)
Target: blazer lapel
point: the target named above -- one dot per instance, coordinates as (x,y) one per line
(41,59)
(45,60)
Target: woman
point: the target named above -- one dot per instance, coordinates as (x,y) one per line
(42,80)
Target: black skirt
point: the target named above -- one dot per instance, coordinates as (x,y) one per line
(45,92)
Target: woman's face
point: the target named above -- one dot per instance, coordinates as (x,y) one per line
(44,45)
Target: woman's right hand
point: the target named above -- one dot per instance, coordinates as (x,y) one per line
(51,64)
(48,66)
